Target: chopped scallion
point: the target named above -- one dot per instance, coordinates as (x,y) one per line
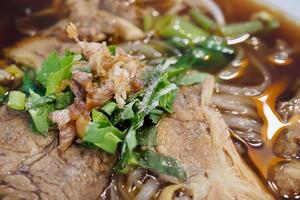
(16,100)
(171,26)
(236,29)
(202,20)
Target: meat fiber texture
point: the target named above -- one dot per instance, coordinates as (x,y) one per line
(32,168)
(196,135)
(286,175)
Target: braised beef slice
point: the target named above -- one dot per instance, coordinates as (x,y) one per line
(288,142)
(287,178)
(95,20)
(196,135)
(32,51)
(31,167)
(287,175)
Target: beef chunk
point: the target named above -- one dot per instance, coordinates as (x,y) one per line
(196,135)
(32,168)
(290,108)
(287,178)
(288,143)
(32,51)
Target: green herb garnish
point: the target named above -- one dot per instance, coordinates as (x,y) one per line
(16,100)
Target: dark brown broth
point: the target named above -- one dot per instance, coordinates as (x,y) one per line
(10,11)
(283,87)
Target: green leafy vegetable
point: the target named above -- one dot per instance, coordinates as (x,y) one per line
(102,134)
(155,115)
(156,88)
(55,79)
(106,138)
(217,44)
(63,100)
(16,100)
(100,118)
(49,66)
(40,118)
(146,136)
(162,164)
(190,79)
(168,92)
(211,52)
(35,100)
(112,49)
(55,69)
(3,94)
(128,112)
(109,107)
(28,84)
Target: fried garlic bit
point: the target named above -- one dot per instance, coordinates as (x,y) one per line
(72,31)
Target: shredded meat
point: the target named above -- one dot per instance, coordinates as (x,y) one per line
(117,75)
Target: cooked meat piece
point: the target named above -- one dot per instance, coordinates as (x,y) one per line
(5,77)
(123,9)
(32,168)
(288,143)
(290,108)
(196,135)
(32,51)
(95,24)
(287,178)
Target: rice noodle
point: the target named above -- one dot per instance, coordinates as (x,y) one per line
(168,192)
(236,68)
(122,190)
(242,123)
(113,194)
(148,190)
(238,99)
(238,39)
(134,176)
(249,91)
(234,106)
(177,5)
(184,198)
